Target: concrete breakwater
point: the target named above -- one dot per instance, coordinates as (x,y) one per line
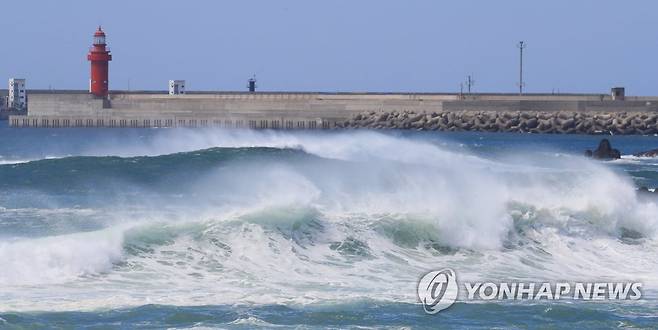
(536,113)
(561,122)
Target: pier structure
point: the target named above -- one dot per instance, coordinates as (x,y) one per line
(284,110)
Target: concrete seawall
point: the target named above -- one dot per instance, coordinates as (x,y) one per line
(540,113)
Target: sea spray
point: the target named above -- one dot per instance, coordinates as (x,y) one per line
(220,217)
(59,259)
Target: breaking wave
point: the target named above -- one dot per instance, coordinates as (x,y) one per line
(296,219)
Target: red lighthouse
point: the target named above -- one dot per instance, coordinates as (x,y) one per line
(100,58)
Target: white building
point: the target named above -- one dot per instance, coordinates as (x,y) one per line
(17,95)
(176,87)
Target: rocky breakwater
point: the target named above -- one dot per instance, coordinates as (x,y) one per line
(560,122)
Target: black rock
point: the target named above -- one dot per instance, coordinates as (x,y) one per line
(650,153)
(604,151)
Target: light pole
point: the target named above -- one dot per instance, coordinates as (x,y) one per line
(521,46)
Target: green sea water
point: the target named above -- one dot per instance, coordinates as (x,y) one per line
(179,228)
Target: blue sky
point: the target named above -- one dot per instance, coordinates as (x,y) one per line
(341,45)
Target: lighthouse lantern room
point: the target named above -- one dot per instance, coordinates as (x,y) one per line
(100,57)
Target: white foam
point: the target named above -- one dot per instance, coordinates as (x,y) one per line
(58,259)
(266,233)
(13,161)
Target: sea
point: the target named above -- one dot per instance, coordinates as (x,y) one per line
(242,229)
